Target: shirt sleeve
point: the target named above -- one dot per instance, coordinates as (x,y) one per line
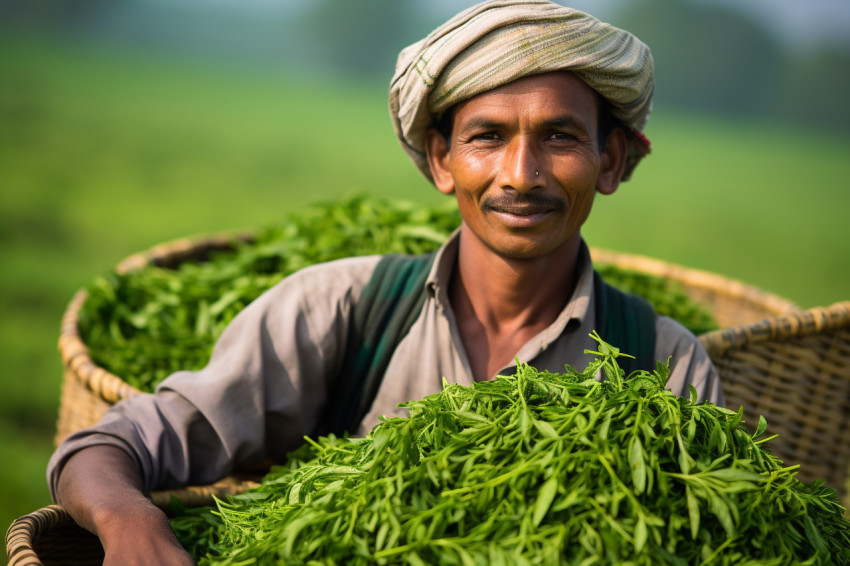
(260,394)
(689,362)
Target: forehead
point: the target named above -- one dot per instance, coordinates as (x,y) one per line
(558,93)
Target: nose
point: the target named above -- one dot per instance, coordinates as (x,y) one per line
(520,165)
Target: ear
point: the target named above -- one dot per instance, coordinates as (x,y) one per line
(613,162)
(437,153)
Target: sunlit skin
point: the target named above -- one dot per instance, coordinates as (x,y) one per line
(524,163)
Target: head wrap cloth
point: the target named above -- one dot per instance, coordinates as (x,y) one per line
(494,43)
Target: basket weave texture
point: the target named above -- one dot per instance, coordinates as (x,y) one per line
(795,371)
(49,536)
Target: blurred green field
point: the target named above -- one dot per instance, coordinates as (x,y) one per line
(104,154)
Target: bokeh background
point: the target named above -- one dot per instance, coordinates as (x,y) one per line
(126,124)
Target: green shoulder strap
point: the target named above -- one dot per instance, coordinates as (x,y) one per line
(626,322)
(389,305)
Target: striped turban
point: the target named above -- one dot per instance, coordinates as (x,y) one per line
(496,42)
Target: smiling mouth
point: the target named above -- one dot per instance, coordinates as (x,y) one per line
(521,211)
(524,205)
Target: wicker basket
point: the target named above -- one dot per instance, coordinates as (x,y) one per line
(49,536)
(88,390)
(794,370)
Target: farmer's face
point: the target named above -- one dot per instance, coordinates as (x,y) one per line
(524,162)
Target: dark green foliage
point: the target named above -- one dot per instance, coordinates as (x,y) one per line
(667,296)
(146,324)
(534,468)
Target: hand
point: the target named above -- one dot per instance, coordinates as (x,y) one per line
(140,536)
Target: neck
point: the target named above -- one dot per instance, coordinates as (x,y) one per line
(506,293)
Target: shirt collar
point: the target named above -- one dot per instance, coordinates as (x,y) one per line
(440,275)
(577,308)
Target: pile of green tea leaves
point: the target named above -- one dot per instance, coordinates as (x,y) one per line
(533,468)
(146,324)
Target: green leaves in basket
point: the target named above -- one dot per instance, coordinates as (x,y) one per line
(667,296)
(534,468)
(146,324)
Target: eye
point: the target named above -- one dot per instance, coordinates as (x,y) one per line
(561,136)
(487,136)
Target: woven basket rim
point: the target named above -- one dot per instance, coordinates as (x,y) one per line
(794,324)
(183,246)
(22,533)
(75,353)
(707,280)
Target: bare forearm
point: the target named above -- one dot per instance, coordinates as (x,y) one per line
(101,488)
(97,481)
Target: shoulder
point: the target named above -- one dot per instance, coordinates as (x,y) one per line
(673,337)
(689,362)
(339,278)
(318,295)
(346,270)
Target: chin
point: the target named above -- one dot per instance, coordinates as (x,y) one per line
(526,248)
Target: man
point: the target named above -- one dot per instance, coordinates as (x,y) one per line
(523,110)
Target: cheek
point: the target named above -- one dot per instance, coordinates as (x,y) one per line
(580,207)
(582,181)
(473,164)
(583,192)
(471,179)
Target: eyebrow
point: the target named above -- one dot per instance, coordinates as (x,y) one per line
(565,122)
(481,124)
(484,123)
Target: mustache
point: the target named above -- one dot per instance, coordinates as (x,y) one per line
(519,203)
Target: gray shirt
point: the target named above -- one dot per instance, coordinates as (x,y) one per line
(275,364)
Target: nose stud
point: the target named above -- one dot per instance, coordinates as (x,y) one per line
(536,173)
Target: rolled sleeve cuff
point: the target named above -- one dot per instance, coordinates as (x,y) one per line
(79,441)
